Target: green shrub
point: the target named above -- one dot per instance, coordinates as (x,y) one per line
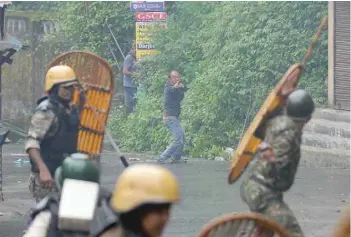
(231,55)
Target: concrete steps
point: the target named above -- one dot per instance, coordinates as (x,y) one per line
(327,127)
(324,158)
(326,139)
(332,115)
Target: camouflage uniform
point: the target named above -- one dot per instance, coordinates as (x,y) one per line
(262,189)
(37,189)
(44,126)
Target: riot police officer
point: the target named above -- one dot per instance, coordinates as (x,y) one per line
(141,201)
(279,156)
(53,129)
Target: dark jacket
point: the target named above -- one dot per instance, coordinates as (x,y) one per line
(172,99)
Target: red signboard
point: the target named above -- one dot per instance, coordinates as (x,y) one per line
(151,16)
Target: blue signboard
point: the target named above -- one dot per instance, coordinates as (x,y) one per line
(143,6)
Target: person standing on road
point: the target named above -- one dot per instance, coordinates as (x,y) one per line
(53,129)
(129,84)
(279,155)
(174,91)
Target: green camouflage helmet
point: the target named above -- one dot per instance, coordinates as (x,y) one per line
(79,167)
(300,105)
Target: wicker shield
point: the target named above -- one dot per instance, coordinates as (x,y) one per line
(275,101)
(247,224)
(96,75)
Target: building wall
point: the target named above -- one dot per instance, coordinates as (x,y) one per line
(23,80)
(339,55)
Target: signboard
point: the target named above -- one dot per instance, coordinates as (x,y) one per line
(150,16)
(144,6)
(146,24)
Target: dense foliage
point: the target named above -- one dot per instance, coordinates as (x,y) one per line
(230,54)
(92,19)
(84,26)
(44,6)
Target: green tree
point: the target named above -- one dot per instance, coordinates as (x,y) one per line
(44,6)
(85,24)
(231,54)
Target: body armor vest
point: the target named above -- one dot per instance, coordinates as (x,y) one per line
(55,148)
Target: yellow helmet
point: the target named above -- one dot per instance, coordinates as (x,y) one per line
(59,74)
(144,184)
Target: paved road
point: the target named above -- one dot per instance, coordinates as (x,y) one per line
(317,197)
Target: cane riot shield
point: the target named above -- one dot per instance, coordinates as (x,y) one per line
(244,225)
(274,102)
(250,141)
(96,76)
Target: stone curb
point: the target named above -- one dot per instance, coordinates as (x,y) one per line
(310,158)
(310,162)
